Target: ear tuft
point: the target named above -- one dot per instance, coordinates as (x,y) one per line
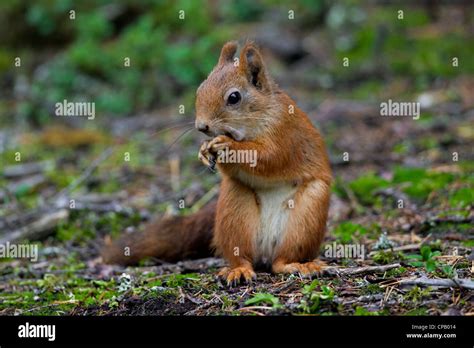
(228,52)
(251,64)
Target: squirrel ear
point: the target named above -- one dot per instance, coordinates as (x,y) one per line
(251,64)
(228,52)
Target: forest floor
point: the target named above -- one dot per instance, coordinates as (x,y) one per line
(403,190)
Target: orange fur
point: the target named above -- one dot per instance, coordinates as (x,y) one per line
(170,239)
(291,153)
(253,221)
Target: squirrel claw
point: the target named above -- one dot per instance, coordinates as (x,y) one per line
(233,276)
(218,143)
(212,164)
(204,159)
(209,149)
(306,269)
(204,155)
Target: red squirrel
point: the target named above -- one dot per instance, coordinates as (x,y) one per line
(271,211)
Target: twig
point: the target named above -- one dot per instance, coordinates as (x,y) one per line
(365,298)
(26,169)
(253,310)
(175,172)
(453,219)
(440,283)
(205,199)
(414,246)
(66,191)
(214,301)
(360,270)
(37,229)
(254,307)
(29,183)
(353,199)
(101,198)
(100,208)
(56,303)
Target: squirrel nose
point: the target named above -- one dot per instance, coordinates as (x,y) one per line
(202,126)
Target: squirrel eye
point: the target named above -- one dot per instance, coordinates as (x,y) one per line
(233,98)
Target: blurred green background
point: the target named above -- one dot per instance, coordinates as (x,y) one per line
(137,115)
(83,59)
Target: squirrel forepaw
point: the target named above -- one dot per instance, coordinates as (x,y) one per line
(205,156)
(210,149)
(219,143)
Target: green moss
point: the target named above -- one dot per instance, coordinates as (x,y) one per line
(418,183)
(366,185)
(416,294)
(421,311)
(371,289)
(446,227)
(86,225)
(454,212)
(338,188)
(428,143)
(387,256)
(348,232)
(468,243)
(461,198)
(361,311)
(368,90)
(395,272)
(154,283)
(401,148)
(177,280)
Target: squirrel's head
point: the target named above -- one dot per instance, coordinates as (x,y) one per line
(237,97)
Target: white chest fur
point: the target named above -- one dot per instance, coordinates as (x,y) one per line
(275,208)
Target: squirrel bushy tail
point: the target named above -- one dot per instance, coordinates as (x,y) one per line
(170,239)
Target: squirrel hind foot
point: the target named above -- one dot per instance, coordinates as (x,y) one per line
(305,269)
(234,275)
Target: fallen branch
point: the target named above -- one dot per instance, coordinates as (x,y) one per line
(55,303)
(27,183)
(428,222)
(366,298)
(98,208)
(101,198)
(196,311)
(453,219)
(37,229)
(439,283)
(360,270)
(59,198)
(414,246)
(20,219)
(26,169)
